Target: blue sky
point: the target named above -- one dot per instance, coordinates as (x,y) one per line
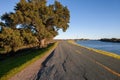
(91,19)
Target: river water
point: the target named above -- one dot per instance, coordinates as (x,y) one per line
(106,46)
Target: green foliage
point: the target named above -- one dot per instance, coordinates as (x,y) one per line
(8,21)
(2,24)
(39,22)
(62,16)
(28,38)
(10,39)
(45,19)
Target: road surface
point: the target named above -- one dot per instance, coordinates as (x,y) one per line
(71,62)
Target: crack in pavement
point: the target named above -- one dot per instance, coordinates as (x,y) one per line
(63,65)
(47,59)
(84,75)
(43,66)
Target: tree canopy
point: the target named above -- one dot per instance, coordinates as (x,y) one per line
(37,21)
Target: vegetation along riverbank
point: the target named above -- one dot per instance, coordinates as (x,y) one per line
(110,40)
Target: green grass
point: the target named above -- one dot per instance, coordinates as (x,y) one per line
(98,51)
(2,50)
(10,66)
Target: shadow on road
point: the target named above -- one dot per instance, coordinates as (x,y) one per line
(44,65)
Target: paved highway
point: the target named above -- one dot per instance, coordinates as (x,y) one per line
(71,62)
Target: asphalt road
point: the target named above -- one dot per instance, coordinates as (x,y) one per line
(70,62)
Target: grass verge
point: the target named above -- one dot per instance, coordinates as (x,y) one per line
(98,51)
(13,65)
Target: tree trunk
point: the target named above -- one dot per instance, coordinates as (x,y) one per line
(42,43)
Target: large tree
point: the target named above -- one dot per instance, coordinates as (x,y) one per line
(41,20)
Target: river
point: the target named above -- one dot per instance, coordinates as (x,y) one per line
(106,46)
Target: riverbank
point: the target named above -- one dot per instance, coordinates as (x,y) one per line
(110,40)
(98,51)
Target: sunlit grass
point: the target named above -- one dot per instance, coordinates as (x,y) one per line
(106,53)
(13,65)
(73,42)
(98,51)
